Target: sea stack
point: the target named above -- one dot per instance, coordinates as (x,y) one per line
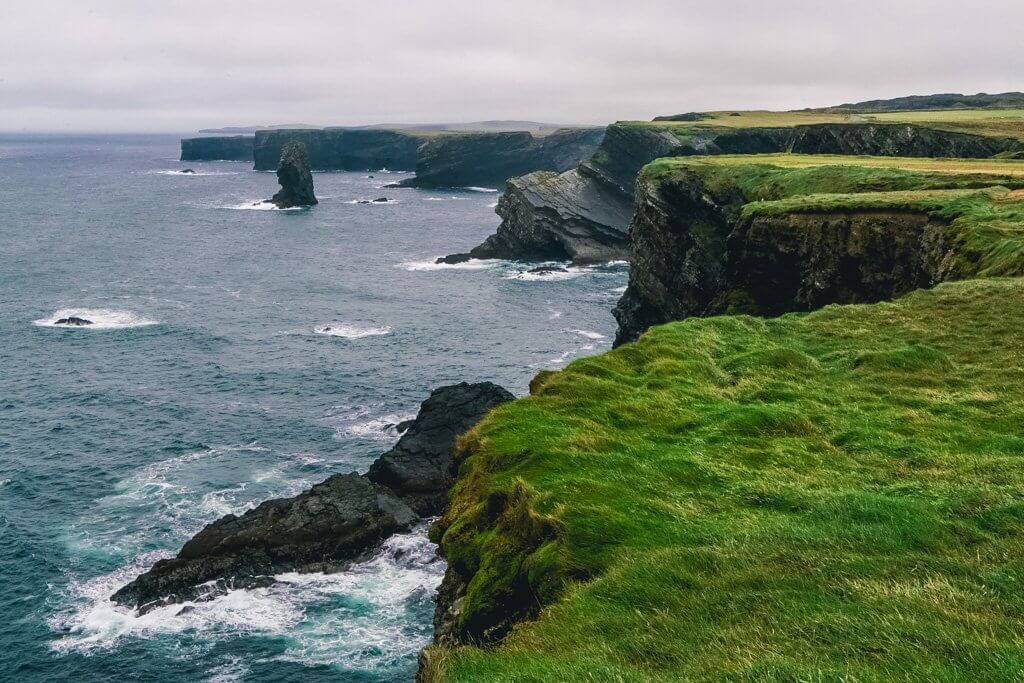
(295,177)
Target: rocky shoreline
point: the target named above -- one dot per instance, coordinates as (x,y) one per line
(332,525)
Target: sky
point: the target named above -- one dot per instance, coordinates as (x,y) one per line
(182,65)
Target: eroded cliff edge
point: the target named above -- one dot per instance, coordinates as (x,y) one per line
(562,214)
(769,235)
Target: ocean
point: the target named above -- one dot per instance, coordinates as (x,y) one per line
(239,354)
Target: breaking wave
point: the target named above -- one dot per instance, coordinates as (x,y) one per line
(100,319)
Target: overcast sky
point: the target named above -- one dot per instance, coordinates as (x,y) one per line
(148,65)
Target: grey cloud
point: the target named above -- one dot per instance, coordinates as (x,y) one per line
(131,65)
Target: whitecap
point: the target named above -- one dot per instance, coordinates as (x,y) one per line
(553,314)
(473,188)
(359,618)
(348,331)
(367,422)
(492,205)
(101,318)
(588,334)
(618,290)
(194,173)
(4,482)
(472,264)
(260,205)
(570,353)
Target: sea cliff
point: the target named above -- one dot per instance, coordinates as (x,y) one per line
(557,205)
(217,148)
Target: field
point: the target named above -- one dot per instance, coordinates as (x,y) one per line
(828,496)
(991,122)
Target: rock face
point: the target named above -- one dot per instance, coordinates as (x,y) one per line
(296,179)
(418,468)
(220,148)
(340,149)
(544,214)
(694,254)
(340,520)
(490,159)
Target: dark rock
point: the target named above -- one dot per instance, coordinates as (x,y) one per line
(295,177)
(74,321)
(418,468)
(547,270)
(490,159)
(341,149)
(336,522)
(453,259)
(403,426)
(187,171)
(380,200)
(218,148)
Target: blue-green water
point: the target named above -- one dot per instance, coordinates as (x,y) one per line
(207,388)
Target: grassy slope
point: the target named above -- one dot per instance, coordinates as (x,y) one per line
(828,496)
(981,198)
(993,122)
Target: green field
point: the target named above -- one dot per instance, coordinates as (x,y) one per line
(832,496)
(828,496)
(991,122)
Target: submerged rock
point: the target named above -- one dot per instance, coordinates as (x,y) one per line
(188,171)
(339,521)
(74,321)
(296,179)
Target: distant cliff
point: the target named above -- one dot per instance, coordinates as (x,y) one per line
(560,209)
(341,149)
(217,148)
(490,159)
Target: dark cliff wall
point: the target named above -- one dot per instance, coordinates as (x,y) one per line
(221,148)
(336,149)
(560,205)
(490,159)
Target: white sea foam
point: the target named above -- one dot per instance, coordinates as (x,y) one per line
(473,188)
(101,318)
(564,357)
(445,199)
(4,482)
(588,334)
(194,173)
(553,314)
(359,618)
(367,422)
(557,271)
(260,205)
(349,331)
(370,202)
(492,205)
(618,290)
(472,264)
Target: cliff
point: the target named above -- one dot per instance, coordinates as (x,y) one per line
(490,159)
(563,203)
(341,149)
(220,148)
(773,234)
(833,494)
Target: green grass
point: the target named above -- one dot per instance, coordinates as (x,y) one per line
(833,496)
(990,122)
(980,198)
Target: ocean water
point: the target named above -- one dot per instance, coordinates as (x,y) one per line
(239,354)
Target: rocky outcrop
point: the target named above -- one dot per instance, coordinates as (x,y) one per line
(218,148)
(594,202)
(341,149)
(74,321)
(696,251)
(939,101)
(296,179)
(419,468)
(490,159)
(336,522)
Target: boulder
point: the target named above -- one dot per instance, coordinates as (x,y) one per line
(296,179)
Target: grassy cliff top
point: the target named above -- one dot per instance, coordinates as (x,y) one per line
(828,496)
(980,198)
(990,122)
